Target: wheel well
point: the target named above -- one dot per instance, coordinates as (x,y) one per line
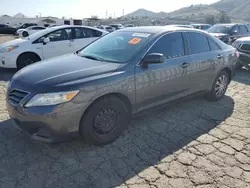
(229,72)
(28,53)
(124,98)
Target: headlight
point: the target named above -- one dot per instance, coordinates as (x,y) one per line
(48,99)
(8,49)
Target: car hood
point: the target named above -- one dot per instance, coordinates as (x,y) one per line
(244,39)
(64,71)
(15,42)
(218,34)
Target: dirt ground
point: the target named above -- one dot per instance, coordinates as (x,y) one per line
(192,144)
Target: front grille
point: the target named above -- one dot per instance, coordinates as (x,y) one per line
(245,47)
(16,96)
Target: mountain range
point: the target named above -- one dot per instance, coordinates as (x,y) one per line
(237,10)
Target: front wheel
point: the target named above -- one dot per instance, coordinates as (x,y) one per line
(105,120)
(219,87)
(26,59)
(25,34)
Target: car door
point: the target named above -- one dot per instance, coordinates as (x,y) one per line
(160,83)
(60,43)
(202,66)
(84,36)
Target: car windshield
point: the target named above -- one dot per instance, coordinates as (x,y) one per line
(116,47)
(196,26)
(220,29)
(39,34)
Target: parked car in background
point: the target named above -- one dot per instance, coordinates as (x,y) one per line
(228,33)
(6,29)
(54,25)
(117,26)
(201,26)
(30,30)
(26,25)
(94,92)
(48,43)
(106,28)
(184,26)
(129,25)
(243,47)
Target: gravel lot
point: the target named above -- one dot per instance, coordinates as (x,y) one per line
(192,144)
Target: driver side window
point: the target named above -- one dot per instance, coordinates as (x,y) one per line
(235,30)
(59,35)
(170,45)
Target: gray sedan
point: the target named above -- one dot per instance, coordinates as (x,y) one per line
(95,91)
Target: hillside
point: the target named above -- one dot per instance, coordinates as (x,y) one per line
(194,13)
(238,10)
(141,13)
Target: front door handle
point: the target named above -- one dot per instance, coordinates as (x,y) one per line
(184,65)
(219,56)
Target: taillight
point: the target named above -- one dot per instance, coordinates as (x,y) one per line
(236,53)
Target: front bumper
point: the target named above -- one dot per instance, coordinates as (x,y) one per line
(50,124)
(244,57)
(8,60)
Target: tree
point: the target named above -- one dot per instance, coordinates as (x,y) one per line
(210,20)
(224,18)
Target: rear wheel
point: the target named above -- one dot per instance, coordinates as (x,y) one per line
(105,120)
(27,59)
(25,34)
(219,87)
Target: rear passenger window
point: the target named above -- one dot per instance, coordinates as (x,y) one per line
(198,43)
(213,45)
(170,45)
(243,29)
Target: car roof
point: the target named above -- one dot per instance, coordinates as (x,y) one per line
(200,24)
(157,29)
(228,24)
(37,35)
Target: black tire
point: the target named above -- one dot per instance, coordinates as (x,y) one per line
(25,34)
(26,59)
(219,87)
(105,120)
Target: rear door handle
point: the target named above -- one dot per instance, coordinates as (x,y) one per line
(184,65)
(219,56)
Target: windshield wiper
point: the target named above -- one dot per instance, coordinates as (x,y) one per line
(92,57)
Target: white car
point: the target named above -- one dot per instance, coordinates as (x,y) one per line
(48,43)
(30,30)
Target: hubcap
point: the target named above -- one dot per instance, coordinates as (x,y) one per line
(221,85)
(105,121)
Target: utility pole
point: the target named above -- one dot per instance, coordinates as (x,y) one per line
(106,16)
(122,12)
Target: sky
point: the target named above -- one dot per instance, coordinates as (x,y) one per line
(85,8)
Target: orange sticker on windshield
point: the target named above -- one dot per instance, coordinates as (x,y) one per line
(134,41)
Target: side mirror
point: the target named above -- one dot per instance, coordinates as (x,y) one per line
(45,41)
(153,58)
(234,32)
